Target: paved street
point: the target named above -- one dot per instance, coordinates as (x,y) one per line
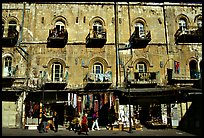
(102,132)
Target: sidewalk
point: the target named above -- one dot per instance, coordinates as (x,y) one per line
(102,132)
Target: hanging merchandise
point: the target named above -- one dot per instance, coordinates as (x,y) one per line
(101,101)
(79,104)
(69,99)
(110,100)
(74,100)
(95,105)
(174,113)
(91,101)
(164,113)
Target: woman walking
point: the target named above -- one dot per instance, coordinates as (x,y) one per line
(95,121)
(84,124)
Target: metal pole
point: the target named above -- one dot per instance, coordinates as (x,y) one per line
(116,40)
(128,88)
(130,129)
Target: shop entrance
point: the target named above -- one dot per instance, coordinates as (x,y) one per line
(59,108)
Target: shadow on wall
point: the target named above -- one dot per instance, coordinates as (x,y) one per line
(192,120)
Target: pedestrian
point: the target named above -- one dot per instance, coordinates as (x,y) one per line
(84,124)
(95,121)
(77,125)
(55,119)
(44,121)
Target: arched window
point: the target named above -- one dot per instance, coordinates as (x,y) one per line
(97,26)
(193,69)
(7,66)
(12,28)
(57,71)
(59,26)
(182,24)
(199,23)
(139,28)
(97,68)
(141,67)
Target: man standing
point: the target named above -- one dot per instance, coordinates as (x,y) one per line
(55,119)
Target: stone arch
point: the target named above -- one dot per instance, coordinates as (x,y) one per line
(197,17)
(13,18)
(97,18)
(98,60)
(8,54)
(184,17)
(60,18)
(139,19)
(141,60)
(56,60)
(49,64)
(190,59)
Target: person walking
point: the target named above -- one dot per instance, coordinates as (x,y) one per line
(44,121)
(84,124)
(55,119)
(95,121)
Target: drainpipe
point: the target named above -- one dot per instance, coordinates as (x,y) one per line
(116,40)
(129,27)
(128,71)
(165,27)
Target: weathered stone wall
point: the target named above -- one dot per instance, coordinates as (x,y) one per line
(39,18)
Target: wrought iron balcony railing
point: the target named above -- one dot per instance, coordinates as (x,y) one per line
(99,78)
(140,41)
(57,38)
(192,34)
(10,40)
(96,38)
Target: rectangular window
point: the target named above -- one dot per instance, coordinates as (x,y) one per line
(57,72)
(141,67)
(97,69)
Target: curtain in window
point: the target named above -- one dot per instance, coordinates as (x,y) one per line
(176,67)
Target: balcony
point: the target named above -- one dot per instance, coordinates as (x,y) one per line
(48,84)
(8,76)
(180,79)
(142,79)
(140,41)
(96,39)
(98,81)
(11,39)
(190,35)
(57,39)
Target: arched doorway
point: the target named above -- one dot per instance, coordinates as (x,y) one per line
(193,69)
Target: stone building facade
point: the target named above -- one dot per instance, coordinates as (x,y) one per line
(86,54)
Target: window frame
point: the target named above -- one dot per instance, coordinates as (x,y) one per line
(199,23)
(98,71)
(141,29)
(143,65)
(182,24)
(97,26)
(55,78)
